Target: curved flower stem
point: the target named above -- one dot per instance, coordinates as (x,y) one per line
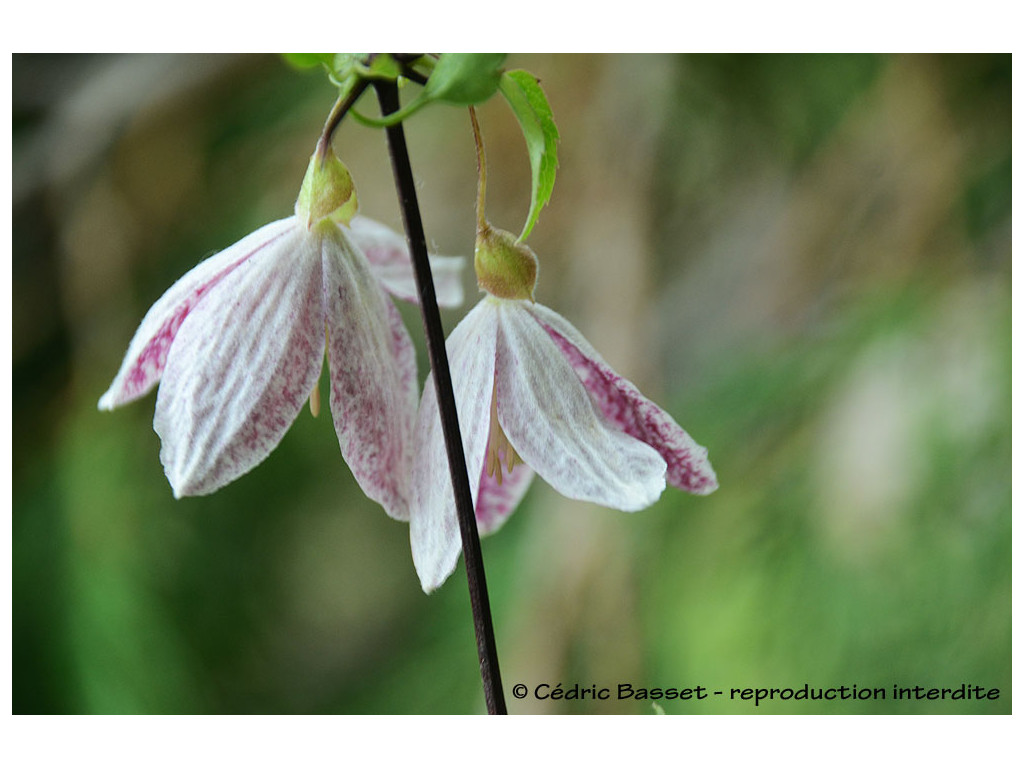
(387,94)
(481,173)
(341,106)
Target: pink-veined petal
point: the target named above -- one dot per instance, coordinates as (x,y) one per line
(496,501)
(373,376)
(623,404)
(433,524)
(241,367)
(146,358)
(551,422)
(388,254)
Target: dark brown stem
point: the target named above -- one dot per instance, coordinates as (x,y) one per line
(387,94)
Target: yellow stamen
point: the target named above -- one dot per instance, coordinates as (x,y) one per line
(498,446)
(314,396)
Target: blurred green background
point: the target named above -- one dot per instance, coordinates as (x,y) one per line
(805,259)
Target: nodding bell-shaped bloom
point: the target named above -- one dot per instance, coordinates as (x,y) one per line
(534,396)
(237,346)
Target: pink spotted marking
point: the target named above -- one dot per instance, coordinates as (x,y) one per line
(497,500)
(153,358)
(622,404)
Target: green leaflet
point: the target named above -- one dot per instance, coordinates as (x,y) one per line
(524,94)
(462,79)
(343,68)
(307,60)
(465,79)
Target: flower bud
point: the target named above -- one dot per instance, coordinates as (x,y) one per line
(327,191)
(505,267)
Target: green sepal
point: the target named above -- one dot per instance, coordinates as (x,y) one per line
(505,267)
(530,106)
(327,192)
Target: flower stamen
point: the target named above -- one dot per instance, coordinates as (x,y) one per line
(314,400)
(498,446)
(314,396)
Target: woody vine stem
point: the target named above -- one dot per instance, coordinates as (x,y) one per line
(387,95)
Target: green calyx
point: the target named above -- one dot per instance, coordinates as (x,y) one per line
(505,267)
(327,191)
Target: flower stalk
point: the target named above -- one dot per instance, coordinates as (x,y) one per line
(338,111)
(481,174)
(387,94)
(505,266)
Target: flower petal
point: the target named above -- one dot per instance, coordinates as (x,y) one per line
(388,254)
(373,376)
(556,429)
(241,367)
(495,501)
(433,524)
(146,358)
(622,404)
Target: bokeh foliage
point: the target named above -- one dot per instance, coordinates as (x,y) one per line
(805,259)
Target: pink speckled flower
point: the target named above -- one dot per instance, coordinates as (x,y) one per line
(238,344)
(534,396)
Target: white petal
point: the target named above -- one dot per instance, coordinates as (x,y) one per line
(433,524)
(373,376)
(241,367)
(556,429)
(623,405)
(388,254)
(146,358)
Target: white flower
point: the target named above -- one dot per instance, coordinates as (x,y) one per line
(237,346)
(534,396)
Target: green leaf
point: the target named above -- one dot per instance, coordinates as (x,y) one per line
(341,68)
(385,67)
(345,68)
(524,94)
(464,79)
(307,60)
